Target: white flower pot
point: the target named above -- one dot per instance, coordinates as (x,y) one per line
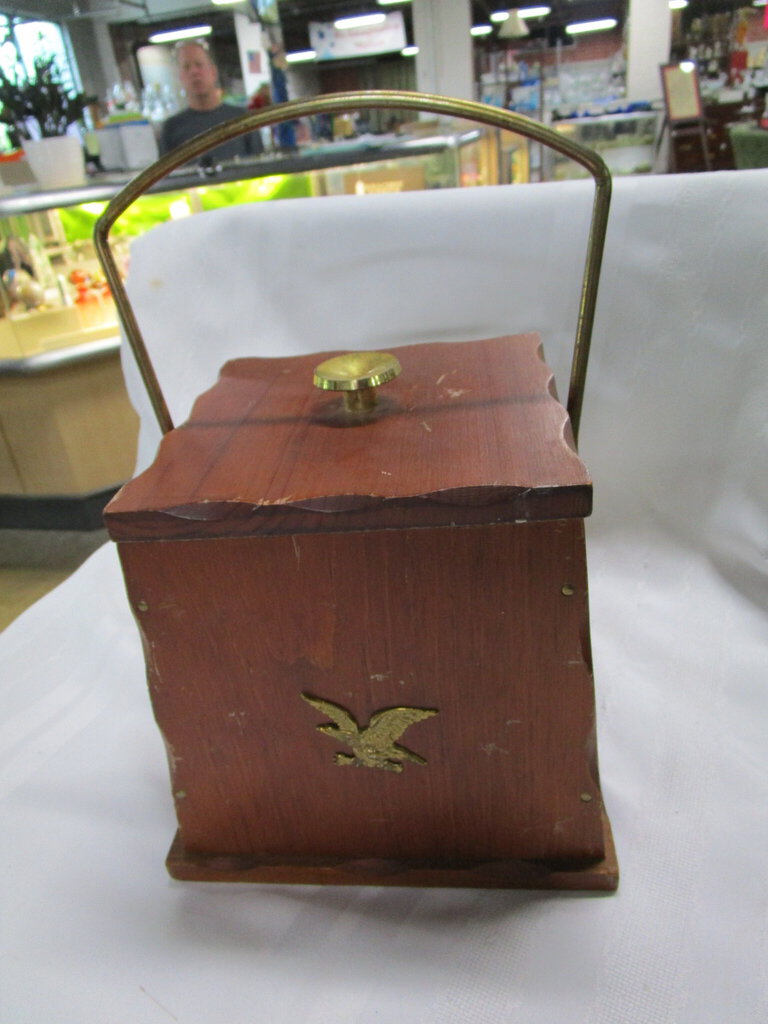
(57,162)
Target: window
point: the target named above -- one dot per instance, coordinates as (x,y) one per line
(22,40)
(43,39)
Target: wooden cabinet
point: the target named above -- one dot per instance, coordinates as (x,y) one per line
(718,116)
(367,633)
(67,424)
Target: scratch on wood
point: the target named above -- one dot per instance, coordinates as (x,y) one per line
(426,427)
(296,550)
(492,748)
(158,1003)
(173,758)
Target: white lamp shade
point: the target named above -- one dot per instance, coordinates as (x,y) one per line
(513,28)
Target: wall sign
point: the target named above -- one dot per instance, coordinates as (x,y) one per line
(330,43)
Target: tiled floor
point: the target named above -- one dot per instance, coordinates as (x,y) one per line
(32,562)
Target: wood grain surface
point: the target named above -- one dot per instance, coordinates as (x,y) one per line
(293,570)
(597,876)
(471,432)
(487,625)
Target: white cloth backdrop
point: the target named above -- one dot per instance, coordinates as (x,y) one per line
(674,433)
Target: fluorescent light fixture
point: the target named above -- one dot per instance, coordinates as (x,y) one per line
(300,56)
(496,16)
(533,12)
(677,5)
(409,51)
(174,35)
(480,30)
(360,20)
(759,3)
(687,65)
(390,3)
(226,3)
(600,25)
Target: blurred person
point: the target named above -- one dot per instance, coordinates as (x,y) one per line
(200,78)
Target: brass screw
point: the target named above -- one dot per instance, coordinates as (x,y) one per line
(142,606)
(568,589)
(586,797)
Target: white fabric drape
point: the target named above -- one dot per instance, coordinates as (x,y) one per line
(674,433)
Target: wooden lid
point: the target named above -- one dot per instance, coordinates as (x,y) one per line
(471,432)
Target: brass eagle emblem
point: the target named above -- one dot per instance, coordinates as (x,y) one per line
(374,746)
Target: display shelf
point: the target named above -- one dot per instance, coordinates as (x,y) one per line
(102,187)
(624,140)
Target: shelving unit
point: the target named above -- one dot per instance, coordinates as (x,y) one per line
(728,49)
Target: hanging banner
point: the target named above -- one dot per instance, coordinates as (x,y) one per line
(331,43)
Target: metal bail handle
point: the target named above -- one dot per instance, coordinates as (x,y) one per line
(468,110)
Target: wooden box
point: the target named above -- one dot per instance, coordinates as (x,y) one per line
(367,636)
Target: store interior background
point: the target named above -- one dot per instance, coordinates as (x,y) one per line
(534,65)
(546,73)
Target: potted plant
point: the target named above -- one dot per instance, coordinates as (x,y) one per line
(38,111)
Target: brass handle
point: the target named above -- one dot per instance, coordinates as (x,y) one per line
(493,117)
(357,375)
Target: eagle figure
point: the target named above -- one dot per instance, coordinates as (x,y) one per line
(374,746)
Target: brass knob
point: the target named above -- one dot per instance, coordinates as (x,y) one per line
(357,375)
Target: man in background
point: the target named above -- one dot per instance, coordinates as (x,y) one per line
(200,78)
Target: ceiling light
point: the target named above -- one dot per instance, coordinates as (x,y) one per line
(480,30)
(226,3)
(677,5)
(533,12)
(409,51)
(759,3)
(300,56)
(389,3)
(687,65)
(590,26)
(360,21)
(174,35)
(496,16)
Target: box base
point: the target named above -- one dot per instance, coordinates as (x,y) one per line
(600,875)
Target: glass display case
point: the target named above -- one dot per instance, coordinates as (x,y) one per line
(624,140)
(52,231)
(66,426)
